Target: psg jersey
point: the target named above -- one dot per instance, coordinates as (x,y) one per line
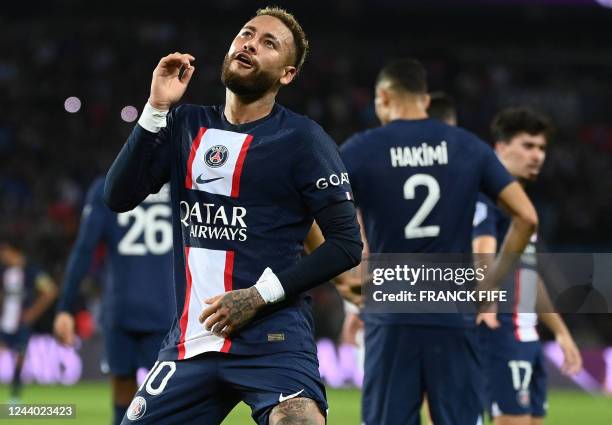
(138,260)
(243,199)
(416,183)
(521,285)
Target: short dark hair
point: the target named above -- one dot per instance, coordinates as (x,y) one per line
(405,75)
(515,120)
(441,106)
(299,36)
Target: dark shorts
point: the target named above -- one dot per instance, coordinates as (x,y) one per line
(204,389)
(17,341)
(404,362)
(127,351)
(515,375)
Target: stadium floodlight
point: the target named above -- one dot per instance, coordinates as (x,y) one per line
(129,113)
(72,104)
(605,3)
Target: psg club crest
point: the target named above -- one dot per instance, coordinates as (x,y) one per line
(523,398)
(216,156)
(137,409)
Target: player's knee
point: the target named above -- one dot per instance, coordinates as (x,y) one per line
(297,411)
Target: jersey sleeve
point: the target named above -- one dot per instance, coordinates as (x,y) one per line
(495,177)
(320,175)
(484,218)
(91,232)
(350,157)
(141,168)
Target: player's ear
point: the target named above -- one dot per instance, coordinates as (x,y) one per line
(426,100)
(289,73)
(383,97)
(500,146)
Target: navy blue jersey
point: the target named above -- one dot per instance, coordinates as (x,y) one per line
(138,292)
(416,183)
(521,286)
(490,220)
(243,199)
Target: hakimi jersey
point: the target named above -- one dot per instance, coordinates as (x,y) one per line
(416,184)
(243,199)
(18,289)
(490,220)
(138,292)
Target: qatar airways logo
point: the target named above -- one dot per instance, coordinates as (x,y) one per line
(210,221)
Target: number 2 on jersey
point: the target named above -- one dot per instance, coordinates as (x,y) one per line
(149,222)
(414,229)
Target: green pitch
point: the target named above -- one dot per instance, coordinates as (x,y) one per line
(93,406)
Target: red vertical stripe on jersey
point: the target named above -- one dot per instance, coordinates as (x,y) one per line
(228,277)
(227,344)
(194,148)
(239,165)
(185,314)
(228,274)
(517,300)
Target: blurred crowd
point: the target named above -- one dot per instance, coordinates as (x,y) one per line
(49,156)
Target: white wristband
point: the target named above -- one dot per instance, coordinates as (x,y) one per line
(269,287)
(152,119)
(350,308)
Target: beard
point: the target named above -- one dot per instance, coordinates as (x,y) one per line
(254,85)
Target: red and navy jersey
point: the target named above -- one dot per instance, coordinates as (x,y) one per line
(521,285)
(138,261)
(243,199)
(416,184)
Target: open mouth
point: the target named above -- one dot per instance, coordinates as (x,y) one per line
(244,59)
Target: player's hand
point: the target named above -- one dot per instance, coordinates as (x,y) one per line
(489,319)
(572,360)
(63,327)
(230,311)
(166,86)
(350,287)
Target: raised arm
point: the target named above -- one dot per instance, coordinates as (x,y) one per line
(143,165)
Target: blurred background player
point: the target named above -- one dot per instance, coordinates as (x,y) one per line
(514,363)
(410,354)
(25,294)
(138,296)
(442,107)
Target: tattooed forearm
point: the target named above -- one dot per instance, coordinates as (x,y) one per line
(231,311)
(241,305)
(297,411)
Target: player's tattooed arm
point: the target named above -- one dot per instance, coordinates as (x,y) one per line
(229,312)
(297,411)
